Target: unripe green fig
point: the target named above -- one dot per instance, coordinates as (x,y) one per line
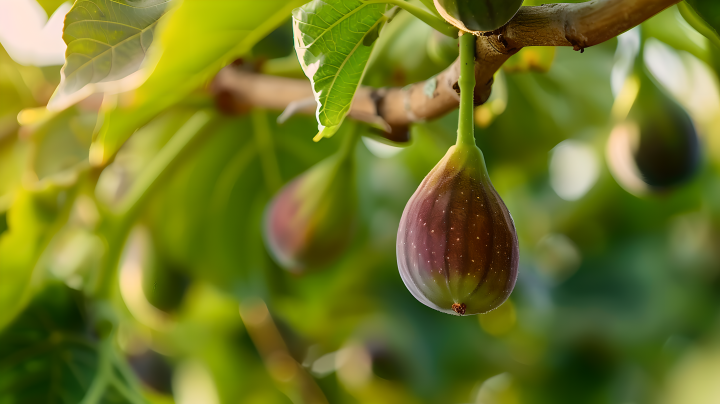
(457,248)
(478,15)
(310,222)
(657,146)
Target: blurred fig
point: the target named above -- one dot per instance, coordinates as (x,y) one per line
(478,15)
(310,222)
(164,284)
(457,249)
(657,146)
(386,363)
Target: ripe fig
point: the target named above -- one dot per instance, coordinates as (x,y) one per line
(310,221)
(457,249)
(657,147)
(478,15)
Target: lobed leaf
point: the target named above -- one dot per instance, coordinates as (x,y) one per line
(199,38)
(330,41)
(107,41)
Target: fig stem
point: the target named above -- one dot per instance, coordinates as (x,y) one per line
(466,81)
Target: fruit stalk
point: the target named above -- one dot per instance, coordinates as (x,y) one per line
(466,81)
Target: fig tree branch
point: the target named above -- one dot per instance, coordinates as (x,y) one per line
(580,25)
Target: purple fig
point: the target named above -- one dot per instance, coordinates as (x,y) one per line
(457,249)
(310,222)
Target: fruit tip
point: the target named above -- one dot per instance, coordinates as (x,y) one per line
(459,308)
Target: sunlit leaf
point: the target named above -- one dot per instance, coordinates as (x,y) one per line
(48,355)
(200,37)
(330,43)
(107,41)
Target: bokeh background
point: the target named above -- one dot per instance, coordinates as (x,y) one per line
(618,297)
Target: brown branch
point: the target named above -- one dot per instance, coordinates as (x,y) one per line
(580,25)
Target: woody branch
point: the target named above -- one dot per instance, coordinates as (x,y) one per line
(580,25)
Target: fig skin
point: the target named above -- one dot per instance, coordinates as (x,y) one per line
(310,221)
(457,248)
(477,16)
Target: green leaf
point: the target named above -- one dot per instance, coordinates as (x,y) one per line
(106,41)
(704,16)
(198,39)
(60,143)
(329,41)
(47,355)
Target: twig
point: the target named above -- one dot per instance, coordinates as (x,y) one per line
(580,25)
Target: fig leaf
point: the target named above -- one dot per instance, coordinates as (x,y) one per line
(333,41)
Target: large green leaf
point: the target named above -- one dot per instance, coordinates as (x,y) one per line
(704,16)
(330,40)
(200,37)
(49,356)
(106,41)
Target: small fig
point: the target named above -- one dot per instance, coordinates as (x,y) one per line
(164,284)
(657,146)
(310,222)
(478,15)
(457,249)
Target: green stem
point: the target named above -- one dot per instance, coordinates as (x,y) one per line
(432,20)
(466,125)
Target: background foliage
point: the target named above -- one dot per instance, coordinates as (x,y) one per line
(133,268)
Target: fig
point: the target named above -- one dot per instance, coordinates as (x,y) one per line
(657,146)
(478,15)
(457,249)
(310,222)
(164,284)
